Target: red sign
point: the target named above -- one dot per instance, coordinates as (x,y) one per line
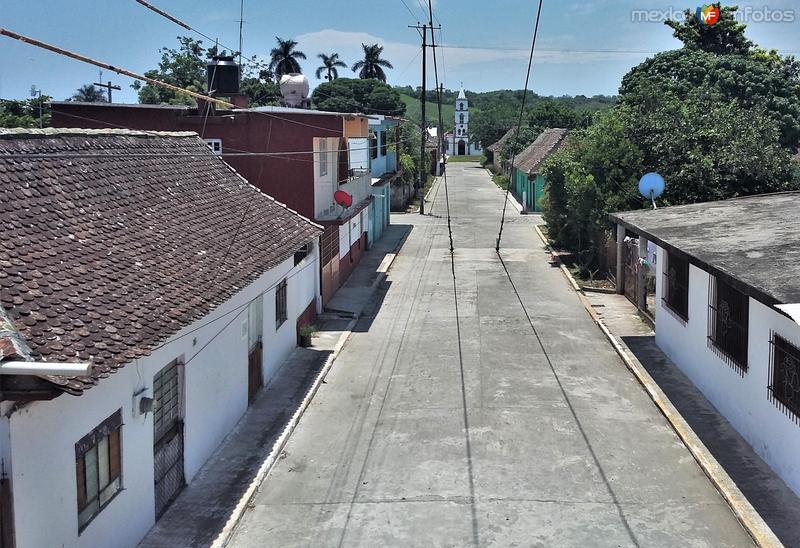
(343,198)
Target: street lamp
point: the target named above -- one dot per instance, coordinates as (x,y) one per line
(34,93)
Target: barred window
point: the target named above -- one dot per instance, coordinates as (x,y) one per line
(384,143)
(727,323)
(281,313)
(784,376)
(98,468)
(323,157)
(676,285)
(373,145)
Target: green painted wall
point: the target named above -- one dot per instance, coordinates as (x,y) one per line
(532,190)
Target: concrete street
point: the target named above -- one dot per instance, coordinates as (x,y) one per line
(416,440)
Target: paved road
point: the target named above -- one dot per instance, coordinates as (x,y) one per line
(516,444)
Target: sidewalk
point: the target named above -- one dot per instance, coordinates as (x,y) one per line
(778,506)
(201,511)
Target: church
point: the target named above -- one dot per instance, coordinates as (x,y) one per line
(460,141)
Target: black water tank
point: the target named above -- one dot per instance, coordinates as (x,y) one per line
(223,76)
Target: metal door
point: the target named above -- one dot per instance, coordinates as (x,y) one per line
(631,251)
(167,436)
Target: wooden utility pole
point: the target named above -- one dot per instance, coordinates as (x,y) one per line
(423,176)
(109,87)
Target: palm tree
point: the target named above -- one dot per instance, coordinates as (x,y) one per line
(370,66)
(284,58)
(329,64)
(89,94)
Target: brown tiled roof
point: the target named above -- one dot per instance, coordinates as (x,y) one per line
(550,140)
(496,146)
(107,255)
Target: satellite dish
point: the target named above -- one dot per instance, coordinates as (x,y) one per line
(651,186)
(343,198)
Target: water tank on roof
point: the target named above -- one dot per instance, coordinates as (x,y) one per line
(294,89)
(223,76)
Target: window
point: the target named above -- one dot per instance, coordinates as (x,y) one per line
(323,157)
(280,304)
(384,144)
(460,118)
(784,376)
(727,323)
(676,285)
(98,467)
(373,145)
(215,145)
(302,253)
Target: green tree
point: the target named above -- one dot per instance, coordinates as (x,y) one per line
(372,65)
(258,83)
(284,58)
(554,114)
(329,66)
(724,37)
(184,67)
(25,113)
(353,95)
(88,94)
(750,80)
(490,124)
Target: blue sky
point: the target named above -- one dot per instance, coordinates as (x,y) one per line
(585,47)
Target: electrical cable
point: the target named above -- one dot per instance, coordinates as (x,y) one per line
(183,24)
(519,124)
(465,414)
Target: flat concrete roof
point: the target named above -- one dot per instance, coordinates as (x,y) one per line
(752,242)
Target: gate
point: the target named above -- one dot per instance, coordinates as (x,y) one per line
(167,437)
(631,257)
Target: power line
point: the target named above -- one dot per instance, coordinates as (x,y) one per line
(183,24)
(519,124)
(152,81)
(465,414)
(409,11)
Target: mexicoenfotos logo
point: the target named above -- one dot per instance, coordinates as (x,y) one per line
(708,15)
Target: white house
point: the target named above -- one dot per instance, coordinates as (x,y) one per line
(181,283)
(460,142)
(727,312)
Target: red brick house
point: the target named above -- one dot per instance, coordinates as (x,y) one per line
(272,148)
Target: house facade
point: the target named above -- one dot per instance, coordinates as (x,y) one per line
(384,161)
(727,312)
(300,157)
(493,151)
(526,180)
(182,284)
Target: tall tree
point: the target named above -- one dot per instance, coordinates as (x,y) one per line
(329,65)
(353,95)
(284,58)
(726,36)
(88,94)
(184,67)
(372,65)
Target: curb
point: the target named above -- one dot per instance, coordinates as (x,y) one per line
(224,537)
(750,519)
(511,197)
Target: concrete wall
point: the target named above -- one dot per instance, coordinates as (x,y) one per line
(744,400)
(43,434)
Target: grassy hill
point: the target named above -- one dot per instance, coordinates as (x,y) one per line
(413,109)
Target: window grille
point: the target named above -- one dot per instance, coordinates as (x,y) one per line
(676,285)
(728,323)
(281,313)
(384,144)
(98,468)
(373,145)
(323,157)
(784,376)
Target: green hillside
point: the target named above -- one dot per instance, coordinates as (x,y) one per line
(431,112)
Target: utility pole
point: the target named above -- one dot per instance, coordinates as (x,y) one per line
(34,93)
(442,147)
(109,87)
(423,176)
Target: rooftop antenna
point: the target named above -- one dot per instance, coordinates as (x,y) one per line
(651,186)
(241,22)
